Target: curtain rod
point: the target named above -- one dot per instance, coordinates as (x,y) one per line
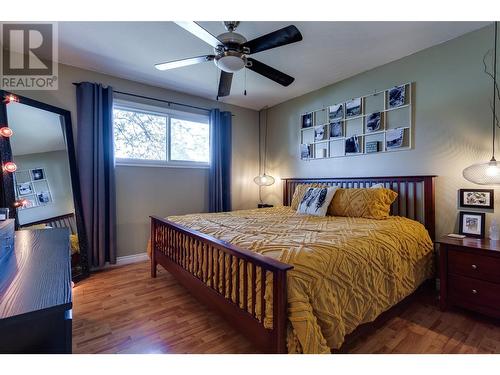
(169,102)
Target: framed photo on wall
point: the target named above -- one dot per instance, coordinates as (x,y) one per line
(373,122)
(353,107)
(397,96)
(336,129)
(305,151)
(472,224)
(24,188)
(307,120)
(319,133)
(37,174)
(477,198)
(335,112)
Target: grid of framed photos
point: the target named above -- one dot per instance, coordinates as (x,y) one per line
(379,122)
(32,185)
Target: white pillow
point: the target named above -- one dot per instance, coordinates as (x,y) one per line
(316,201)
(377,186)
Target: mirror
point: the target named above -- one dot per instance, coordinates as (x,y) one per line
(45,182)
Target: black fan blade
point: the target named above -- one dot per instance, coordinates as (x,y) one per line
(184,62)
(269,72)
(200,32)
(278,38)
(225,83)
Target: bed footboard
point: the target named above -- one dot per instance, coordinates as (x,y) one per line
(241,285)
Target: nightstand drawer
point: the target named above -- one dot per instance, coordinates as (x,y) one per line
(473,293)
(474,265)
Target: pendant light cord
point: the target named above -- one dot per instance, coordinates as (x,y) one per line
(260,159)
(494,89)
(265,144)
(260,146)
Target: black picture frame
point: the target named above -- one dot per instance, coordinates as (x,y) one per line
(37,174)
(479,215)
(7,187)
(465,200)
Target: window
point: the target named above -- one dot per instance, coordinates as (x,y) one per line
(148,135)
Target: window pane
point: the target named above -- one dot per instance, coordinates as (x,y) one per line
(139,135)
(190,140)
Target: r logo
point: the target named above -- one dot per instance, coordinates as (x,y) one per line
(28,49)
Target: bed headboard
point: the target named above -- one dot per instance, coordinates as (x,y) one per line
(415,194)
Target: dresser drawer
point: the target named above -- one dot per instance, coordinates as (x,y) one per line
(474,265)
(473,292)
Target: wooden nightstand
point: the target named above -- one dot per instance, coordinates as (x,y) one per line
(470,274)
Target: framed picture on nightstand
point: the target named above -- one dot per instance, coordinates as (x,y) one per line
(472,224)
(477,198)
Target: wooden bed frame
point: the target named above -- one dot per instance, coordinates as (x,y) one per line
(172,245)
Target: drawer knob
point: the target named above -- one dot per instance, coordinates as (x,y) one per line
(474,291)
(474,267)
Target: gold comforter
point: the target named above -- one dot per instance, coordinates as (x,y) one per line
(346,270)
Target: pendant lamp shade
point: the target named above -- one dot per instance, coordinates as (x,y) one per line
(487,173)
(264,180)
(483,173)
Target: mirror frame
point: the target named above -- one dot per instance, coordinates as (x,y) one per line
(7,192)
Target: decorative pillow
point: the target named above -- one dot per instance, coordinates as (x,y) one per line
(368,203)
(299,193)
(316,201)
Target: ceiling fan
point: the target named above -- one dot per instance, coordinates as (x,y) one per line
(231,52)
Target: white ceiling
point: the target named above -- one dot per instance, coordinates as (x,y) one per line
(35,130)
(329,52)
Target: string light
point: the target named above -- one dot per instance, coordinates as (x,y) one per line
(10,167)
(6,132)
(11,98)
(21,203)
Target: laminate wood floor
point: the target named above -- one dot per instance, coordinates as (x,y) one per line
(123,310)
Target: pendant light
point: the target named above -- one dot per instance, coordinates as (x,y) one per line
(487,173)
(263,179)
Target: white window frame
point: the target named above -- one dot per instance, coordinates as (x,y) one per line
(168,113)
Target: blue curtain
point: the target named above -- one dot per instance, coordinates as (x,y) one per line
(219,185)
(95,159)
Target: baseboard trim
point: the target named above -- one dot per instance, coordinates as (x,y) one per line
(122,261)
(128,259)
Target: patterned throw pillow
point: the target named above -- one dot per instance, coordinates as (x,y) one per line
(316,201)
(367,203)
(299,193)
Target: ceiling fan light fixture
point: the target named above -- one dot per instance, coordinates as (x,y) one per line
(231,50)
(230,63)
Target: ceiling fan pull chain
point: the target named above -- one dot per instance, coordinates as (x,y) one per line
(217,83)
(245,91)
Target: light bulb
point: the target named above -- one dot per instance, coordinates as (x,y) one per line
(6,132)
(20,203)
(10,167)
(10,98)
(492,170)
(264,180)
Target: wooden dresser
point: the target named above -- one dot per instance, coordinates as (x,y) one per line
(470,274)
(35,293)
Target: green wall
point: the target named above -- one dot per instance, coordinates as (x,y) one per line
(452,123)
